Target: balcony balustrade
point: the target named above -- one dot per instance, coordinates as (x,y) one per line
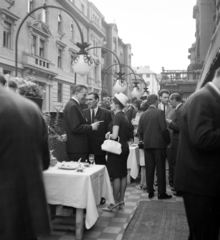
(35,61)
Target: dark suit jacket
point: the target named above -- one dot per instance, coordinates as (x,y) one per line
(96,138)
(76,128)
(198,159)
(175,126)
(24,154)
(152,123)
(131,112)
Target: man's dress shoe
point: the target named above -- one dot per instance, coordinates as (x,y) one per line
(164,196)
(151,195)
(177,194)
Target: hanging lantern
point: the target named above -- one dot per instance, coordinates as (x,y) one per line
(145,94)
(119,85)
(136,92)
(83,64)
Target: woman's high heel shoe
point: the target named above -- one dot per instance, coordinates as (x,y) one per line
(143,187)
(111,207)
(121,204)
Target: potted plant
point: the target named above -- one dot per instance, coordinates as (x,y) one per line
(29,88)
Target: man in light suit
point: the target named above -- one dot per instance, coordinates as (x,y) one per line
(176,103)
(24,154)
(198,160)
(96,138)
(76,125)
(152,123)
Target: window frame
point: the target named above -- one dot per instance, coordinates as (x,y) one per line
(59,23)
(44,48)
(59,58)
(72,30)
(30,6)
(35,52)
(59,92)
(7,35)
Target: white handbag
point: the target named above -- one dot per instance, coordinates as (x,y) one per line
(112,146)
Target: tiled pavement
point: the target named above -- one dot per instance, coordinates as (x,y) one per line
(110,225)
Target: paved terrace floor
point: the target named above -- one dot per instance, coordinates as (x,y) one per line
(110,225)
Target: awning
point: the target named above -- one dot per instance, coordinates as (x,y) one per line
(212,61)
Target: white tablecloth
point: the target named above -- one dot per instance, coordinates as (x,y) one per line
(79,189)
(133,161)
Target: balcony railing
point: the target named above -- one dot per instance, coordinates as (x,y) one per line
(36,60)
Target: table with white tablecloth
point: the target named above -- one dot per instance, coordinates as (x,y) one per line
(133,162)
(81,190)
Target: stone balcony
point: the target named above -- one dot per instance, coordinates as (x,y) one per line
(37,63)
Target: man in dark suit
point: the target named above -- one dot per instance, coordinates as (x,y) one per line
(96,138)
(198,160)
(24,154)
(176,103)
(151,124)
(76,125)
(165,106)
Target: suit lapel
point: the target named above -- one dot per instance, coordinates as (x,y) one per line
(98,114)
(79,108)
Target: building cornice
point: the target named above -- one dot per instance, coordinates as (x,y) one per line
(81,17)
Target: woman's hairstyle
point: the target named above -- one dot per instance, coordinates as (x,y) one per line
(137,103)
(144,106)
(116,101)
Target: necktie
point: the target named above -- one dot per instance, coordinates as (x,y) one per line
(164,108)
(93,115)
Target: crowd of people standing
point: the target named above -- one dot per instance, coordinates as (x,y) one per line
(186,135)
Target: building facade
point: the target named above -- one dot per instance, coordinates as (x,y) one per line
(179,81)
(109,61)
(186,81)
(212,59)
(150,79)
(46,45)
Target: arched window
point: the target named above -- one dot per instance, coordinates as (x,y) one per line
(59,23)
(72,31)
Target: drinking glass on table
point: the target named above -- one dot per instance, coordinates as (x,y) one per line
(91,158)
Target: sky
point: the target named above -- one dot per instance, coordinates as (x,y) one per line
(160,31)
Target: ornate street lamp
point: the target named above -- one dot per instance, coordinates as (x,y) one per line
(136,91)
(82,61)
(120,84)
